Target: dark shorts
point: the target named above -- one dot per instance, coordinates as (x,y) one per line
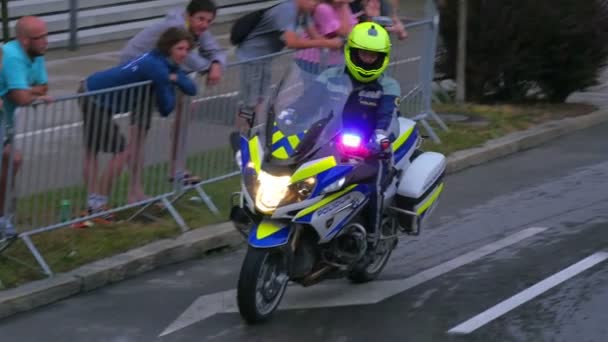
(101,133)
(141,114)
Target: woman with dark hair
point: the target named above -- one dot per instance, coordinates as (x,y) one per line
(330,18)
(101,134)
(369,10)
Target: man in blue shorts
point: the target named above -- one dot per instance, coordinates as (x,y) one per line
(23,80)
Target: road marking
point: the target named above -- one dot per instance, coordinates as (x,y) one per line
(528,294)
(340,293)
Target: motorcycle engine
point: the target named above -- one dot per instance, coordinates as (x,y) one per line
(304,259)
(348,247)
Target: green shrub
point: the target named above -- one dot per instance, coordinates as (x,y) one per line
(517,48)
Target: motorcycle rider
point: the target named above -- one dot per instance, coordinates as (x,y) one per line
(372,106)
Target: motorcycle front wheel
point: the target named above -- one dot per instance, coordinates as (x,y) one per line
(262,283)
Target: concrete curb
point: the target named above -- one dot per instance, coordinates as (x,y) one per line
(189,245)
(523,140)
(197,242)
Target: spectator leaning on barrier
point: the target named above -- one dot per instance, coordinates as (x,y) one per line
(332,18)
(367,9)
(207,56)
(23,80)
(277,28)
(6,230)
(162,67)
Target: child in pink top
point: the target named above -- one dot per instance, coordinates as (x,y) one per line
(331,18)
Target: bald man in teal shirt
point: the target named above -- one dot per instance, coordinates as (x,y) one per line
(23,80)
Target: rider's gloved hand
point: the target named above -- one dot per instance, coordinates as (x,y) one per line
(287,116)
(381,140)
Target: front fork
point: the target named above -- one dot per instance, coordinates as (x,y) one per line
(243,219)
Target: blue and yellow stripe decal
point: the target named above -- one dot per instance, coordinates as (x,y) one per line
(305,215)
(313,168)
(255,153)
(269,234)
(283,146)
(327,177)
(245,155)
(363,188)
(429,201)
(404,143)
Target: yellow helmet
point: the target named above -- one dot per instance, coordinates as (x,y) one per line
(367,36)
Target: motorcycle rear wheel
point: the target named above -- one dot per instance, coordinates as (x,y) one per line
(262,283)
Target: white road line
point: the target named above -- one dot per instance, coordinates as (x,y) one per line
(336,294)
(528,294)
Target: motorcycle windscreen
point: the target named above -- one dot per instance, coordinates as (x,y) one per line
(305,112)
(269,233)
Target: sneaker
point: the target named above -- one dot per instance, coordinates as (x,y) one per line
(83,224)
(103,219)
(9,230)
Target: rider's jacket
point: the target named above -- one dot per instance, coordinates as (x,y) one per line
(370,106)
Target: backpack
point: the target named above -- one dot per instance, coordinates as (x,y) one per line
(245,24)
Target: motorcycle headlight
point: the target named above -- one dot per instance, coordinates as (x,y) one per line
(271,191)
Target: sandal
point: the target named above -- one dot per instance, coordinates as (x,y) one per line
(101,220)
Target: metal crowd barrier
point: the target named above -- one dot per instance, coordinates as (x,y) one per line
(194,139)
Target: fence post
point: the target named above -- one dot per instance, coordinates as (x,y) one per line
(462,52)
(5,19)
(73,25)
(429,64)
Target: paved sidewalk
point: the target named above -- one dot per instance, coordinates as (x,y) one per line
(596,95)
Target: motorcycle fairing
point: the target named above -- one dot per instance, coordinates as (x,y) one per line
(269,233)
(404,143)
(252,151)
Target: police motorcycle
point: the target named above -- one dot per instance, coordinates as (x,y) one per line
(305,189)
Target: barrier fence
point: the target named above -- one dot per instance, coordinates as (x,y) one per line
(59,140)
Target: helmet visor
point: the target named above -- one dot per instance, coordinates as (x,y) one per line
(367,60)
